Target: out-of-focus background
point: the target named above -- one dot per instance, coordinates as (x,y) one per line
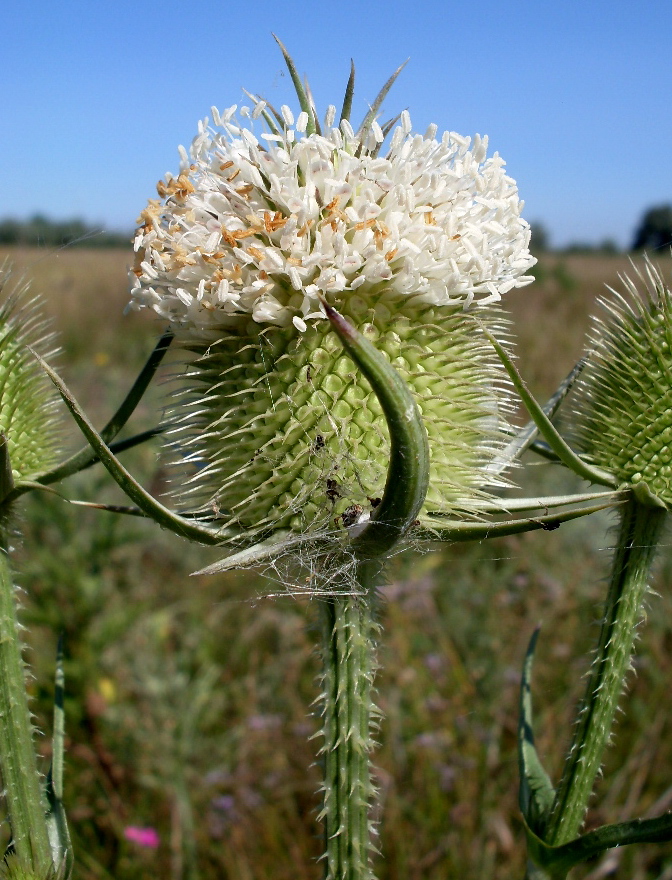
(188,699)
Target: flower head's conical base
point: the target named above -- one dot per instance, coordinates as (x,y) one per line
(624,409)
(288,434)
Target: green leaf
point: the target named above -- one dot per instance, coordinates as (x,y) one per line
(536,794)
(543,502)
(557,861)
(311,104)
(57,824)
(526,437)
(375,107)
(149,505)
(430,529)
(110,508)
(86,457)
(435,529)
(408,472)
(544,450)
(280,541)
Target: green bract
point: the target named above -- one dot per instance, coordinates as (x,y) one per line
(624,397)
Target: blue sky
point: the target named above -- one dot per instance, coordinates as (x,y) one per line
(96,96)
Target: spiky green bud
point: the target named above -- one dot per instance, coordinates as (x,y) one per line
(28,401)
(291,435)
(624,397)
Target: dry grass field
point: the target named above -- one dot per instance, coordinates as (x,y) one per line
(188,699)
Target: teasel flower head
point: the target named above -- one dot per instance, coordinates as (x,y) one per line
(405,234)
(29,403)
(624,398)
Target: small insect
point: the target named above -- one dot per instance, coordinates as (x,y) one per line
(350,515)
(547,526)
(319,443)
(333,491)
(309,374)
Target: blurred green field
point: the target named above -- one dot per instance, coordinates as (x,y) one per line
(188,699)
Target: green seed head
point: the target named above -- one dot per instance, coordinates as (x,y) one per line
(286,432)
(624,403)
(28,401)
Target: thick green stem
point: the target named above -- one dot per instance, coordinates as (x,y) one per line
(348,619)
(348,654)
(638,538)
(23,791)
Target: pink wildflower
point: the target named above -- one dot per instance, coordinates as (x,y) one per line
(147,837)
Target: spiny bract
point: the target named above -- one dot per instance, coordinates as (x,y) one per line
(624,399)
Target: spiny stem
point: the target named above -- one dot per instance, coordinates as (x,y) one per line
(348,654)
(639,535)
(18,763)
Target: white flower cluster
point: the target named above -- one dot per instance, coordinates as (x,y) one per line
(266,230)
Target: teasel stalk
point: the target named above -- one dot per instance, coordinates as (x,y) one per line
(623,424)
(30,445)
(269,261)
(29,442)
(338,394)
(639,535)
(349,626)
(622,427)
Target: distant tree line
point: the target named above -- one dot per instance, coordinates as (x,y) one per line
(653,234)
(40,231)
